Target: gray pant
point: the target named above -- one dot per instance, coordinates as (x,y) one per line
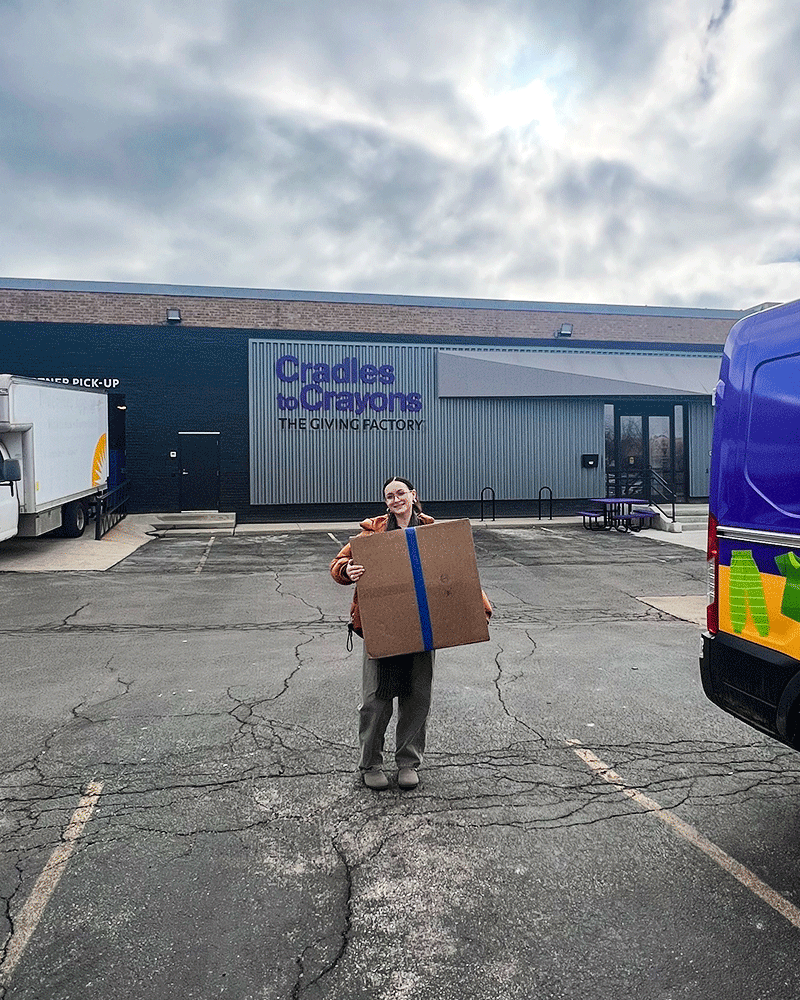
(412,715)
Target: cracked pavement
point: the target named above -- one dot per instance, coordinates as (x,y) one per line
(234,853)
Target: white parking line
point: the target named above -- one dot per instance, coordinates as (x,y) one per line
(555,534)
(748,879)
(205,555)
(26,921)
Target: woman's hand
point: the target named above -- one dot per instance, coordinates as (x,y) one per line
(354,571)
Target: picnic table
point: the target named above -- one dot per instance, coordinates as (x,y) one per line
(616,512)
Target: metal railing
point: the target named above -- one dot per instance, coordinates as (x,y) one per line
(666,491)
(488,489)
(109,509)
(646,485)
(626,484)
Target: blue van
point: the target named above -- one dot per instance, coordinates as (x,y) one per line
(750,663)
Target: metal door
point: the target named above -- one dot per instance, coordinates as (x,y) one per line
(199,464)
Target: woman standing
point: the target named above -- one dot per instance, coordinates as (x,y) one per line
(408,678)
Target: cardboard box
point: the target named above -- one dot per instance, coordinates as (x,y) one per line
(420,589)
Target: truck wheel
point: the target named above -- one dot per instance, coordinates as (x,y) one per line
(793,726)
(73,519)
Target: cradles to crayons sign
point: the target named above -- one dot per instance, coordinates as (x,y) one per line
(348,395)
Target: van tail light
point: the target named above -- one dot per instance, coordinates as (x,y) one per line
(712,555)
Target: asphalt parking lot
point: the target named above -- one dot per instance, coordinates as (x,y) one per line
(182,814)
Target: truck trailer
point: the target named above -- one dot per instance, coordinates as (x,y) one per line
(53,456)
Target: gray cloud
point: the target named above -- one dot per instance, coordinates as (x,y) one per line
(719,17)
(606,46)
(143,158)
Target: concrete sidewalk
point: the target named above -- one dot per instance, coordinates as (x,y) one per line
(688,539)
(49,554)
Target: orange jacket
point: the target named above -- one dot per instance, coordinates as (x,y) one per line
(339,564)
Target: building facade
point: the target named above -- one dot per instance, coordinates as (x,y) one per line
(279,405)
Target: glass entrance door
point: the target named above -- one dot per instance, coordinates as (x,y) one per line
(659,445)
(644,454)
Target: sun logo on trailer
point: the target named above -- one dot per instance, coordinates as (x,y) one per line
(100,462)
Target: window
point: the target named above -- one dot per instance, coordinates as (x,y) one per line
(772,457)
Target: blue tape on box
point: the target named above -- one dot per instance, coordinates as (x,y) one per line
(419,587)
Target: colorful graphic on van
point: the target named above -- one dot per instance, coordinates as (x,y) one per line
(100,462)
(746,593)
(789,565)
(759,595)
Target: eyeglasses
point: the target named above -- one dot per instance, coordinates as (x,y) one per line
(398,495)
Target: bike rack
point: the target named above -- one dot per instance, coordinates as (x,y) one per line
(488,489)
(550,498)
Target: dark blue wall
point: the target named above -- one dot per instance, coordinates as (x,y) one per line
(173,378)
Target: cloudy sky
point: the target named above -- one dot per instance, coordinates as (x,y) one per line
(622,151)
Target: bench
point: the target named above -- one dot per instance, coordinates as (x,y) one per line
(593,519)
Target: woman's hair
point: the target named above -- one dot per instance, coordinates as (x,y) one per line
(399,479)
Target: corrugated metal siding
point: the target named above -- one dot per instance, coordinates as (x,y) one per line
(335,464)
(701,423)
(514,446)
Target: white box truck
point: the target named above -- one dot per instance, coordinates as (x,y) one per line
(53,455)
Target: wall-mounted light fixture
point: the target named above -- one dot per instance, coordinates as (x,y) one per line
(565,330)
(173,315)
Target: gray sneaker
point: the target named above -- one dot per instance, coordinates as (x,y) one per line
(376,780)
(407,778)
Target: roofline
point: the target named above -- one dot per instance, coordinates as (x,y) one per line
(441,341)
(359,298)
